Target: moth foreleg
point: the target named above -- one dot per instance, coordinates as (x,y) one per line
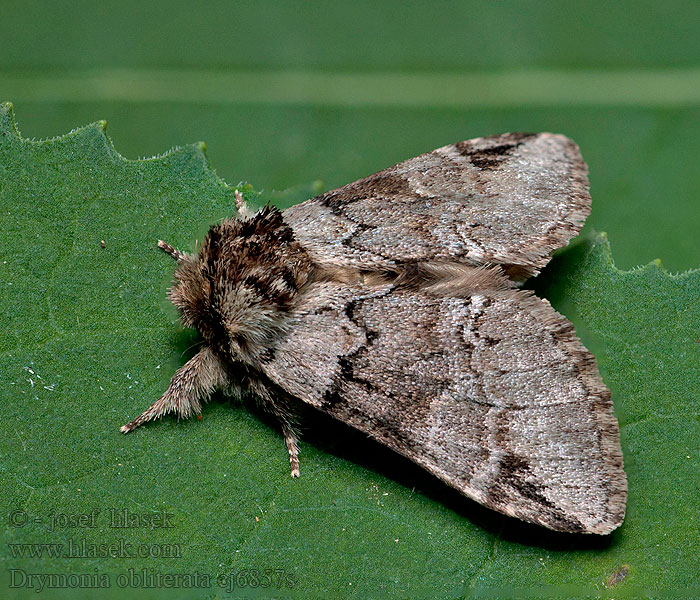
(176,254)
(192,383)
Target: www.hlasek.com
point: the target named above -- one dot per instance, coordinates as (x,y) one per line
(84,549)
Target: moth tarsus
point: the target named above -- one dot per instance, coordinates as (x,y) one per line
(293,449)
(393,305)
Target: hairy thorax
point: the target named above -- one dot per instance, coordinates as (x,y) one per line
(239,288)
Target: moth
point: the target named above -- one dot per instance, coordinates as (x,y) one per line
(394,304)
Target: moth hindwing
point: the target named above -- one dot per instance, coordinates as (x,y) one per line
(392,304)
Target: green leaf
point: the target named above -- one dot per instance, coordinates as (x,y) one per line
(88,342)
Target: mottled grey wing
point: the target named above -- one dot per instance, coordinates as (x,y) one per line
(515,417)
(508,199)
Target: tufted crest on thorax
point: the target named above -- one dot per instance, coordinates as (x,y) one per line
(239,288)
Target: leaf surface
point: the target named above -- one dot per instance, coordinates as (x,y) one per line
(88,341)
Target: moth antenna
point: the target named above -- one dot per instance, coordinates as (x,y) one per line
(192,383)
(176,254)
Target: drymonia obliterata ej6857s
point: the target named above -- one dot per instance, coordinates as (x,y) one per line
(393,305)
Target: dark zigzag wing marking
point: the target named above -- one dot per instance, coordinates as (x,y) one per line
(515,417)
(509,200)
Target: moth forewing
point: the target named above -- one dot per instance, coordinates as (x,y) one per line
(391,304)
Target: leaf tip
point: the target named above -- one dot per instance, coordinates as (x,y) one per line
(7,119)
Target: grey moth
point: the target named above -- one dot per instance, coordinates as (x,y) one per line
(393,304)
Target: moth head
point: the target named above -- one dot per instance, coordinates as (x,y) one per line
(238,289)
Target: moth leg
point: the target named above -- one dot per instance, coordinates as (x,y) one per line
(290,435)
(192,383)
(280,407)
(176,254)
(290,438)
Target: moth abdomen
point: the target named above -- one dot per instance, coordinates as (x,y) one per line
(436,278)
